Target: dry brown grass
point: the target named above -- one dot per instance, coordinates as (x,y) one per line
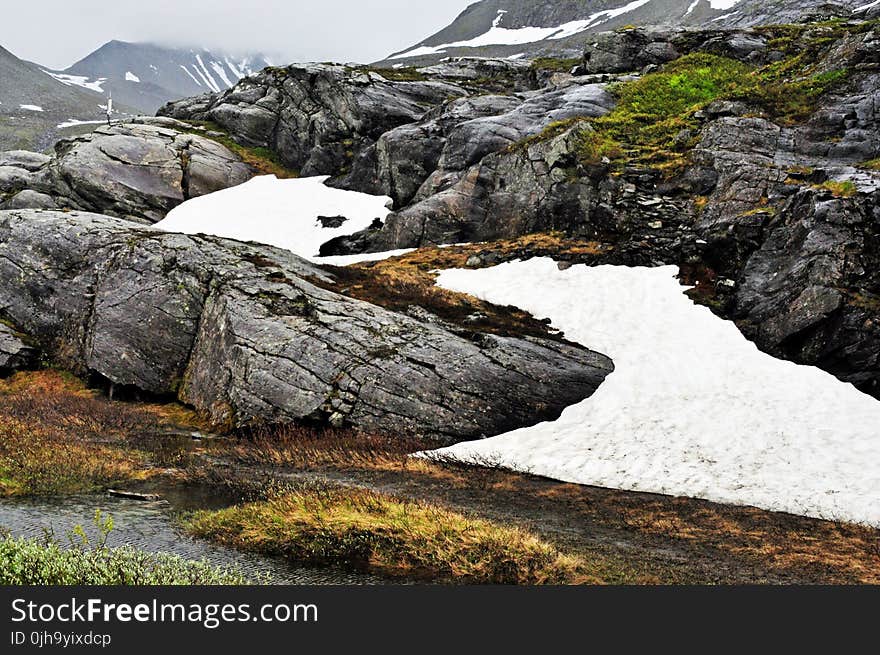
(57,436)
(364,530)
(402,282)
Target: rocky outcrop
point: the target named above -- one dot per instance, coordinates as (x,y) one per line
(239,332)
(636,49)
(776,220)
(14,352)
(317,117)
(137,170)
(414,162)
(561,27)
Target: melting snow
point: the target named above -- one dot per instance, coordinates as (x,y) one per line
(692,409)
(78,80)
(31,107)
(131,77)
(867,6)
(221,73)
(281,213)
(74,123)
(723,4)
(498,35)
(186,70)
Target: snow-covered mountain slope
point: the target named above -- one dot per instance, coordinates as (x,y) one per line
(519,28)
(36,110)
(146,76)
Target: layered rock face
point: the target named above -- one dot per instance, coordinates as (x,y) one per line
(317,117)
(778,220)
(138,170)
(241,333)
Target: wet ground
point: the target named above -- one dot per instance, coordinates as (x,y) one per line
(151,526)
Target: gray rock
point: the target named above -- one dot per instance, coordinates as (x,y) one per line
(239,332)
(29,161)
(138,170)
(317,117)
(14,352)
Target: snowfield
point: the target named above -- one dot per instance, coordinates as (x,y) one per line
(281,213)
(693,408)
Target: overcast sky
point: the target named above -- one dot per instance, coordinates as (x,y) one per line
(57,33)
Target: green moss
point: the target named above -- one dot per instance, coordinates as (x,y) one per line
(845,189)
(872,165)
(404,74)
(263,160)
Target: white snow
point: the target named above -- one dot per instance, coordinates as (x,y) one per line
(691,8)
(31,107)
(281,213)
(723,4)
(194,79)
(693,408)
(221,73)
(239,74)
(868,6)
(73,122)
(78,80)
(498,35)
(574,27)
(202,70)
(131,77)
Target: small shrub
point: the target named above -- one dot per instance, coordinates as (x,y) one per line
(32,563)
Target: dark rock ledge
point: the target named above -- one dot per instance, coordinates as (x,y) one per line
(238,332)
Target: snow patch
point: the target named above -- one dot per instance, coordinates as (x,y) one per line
(202,70)
(282,213)
(78,80)
(221,73)
(866,7)
(723,4)
(73,122)
(187,71)
(692,409)
(131,77)
(498,35)
(31,107)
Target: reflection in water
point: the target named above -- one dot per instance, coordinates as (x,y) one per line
(150,526)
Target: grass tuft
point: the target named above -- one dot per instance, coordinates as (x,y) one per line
(845,189)
(367,531)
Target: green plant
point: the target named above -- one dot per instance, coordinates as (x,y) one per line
(845,189)
(32,563)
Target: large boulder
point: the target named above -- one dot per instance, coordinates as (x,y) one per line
(137,170)
(14,352)
(243,333)
(316,117)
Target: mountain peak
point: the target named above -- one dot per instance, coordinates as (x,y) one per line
(518,28)
(147,75)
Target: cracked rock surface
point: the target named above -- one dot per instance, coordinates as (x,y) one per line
(137,170)
(239,332)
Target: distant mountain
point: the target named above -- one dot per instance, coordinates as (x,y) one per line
(523,28)
(146,76)
(36,110)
